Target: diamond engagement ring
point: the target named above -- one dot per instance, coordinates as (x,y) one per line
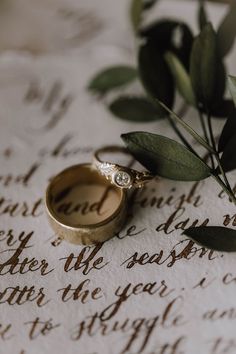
(121,176)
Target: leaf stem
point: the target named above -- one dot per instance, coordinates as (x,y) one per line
(180,135)
(225,188)
(211,131)
(212,149)
(192,132)
(182,111)
(206,136)
(217,154)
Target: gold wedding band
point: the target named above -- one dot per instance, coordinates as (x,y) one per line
(120,176)
(72,212)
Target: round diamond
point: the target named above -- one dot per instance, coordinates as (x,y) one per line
(122,179)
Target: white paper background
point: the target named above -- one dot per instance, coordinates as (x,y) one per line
(90,125)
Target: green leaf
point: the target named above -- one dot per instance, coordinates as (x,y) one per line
(232,87)
(155,74)
(206,69)
(173,36)
(227,31)
(222,109)
(228,158)
(136,9)
(202,15)
(165,157)
(181,77)
(228,131)
(111,78)
(136,109)
(214,237)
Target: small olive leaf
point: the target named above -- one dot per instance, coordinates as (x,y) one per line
(111,78)
(227,31)
(232,87)
(136,109)
(155,74)
(228,158)
(181,77)
(173,36)
(136,9)
(165,157)
(228,131)
(202,15)
(214,237)
(206,69)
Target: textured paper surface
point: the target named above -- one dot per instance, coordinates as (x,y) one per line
(148,290)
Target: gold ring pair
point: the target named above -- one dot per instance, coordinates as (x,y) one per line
(87,203)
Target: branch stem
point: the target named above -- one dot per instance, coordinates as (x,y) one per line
(204,129)
(192,132)
(225,188)
(217,154)
(209,145)
(183,109)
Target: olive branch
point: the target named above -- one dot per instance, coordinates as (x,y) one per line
(172,61)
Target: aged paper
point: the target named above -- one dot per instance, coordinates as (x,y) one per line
(149,289)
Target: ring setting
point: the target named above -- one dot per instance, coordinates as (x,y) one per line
(122,179)
(121,176)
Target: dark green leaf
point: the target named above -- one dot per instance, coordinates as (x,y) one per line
(111,78)
(227,141)
(222,109)
(232,87)
(172,36)
(181,77)
(136,14)
(202,15)
(136,109)
(213,237)
(206,69)
(165,157)
(155,74)
(228,159)
(228,131)
(227,31)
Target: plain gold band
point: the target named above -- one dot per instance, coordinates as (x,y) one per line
(84,234)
